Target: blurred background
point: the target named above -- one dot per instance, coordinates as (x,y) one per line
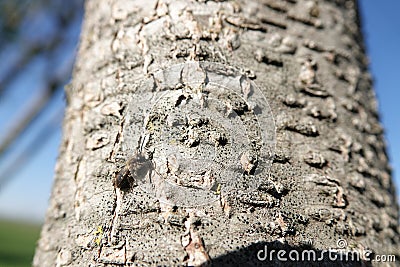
(38,43)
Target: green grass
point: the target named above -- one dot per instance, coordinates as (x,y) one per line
(17,243)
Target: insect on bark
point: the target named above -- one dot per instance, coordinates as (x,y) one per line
(136,168)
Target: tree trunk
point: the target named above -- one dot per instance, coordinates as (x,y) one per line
(265,137)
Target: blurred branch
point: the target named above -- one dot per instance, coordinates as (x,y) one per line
(21,23)
(21,159)
(11,17)
(65,18)
(22,61)
(31,115)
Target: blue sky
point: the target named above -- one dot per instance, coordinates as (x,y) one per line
(26,195)
(381,25)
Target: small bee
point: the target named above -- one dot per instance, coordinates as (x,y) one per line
(135,169)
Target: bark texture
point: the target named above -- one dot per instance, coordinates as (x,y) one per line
(329,179)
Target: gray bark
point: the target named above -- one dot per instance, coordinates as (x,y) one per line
(328,179)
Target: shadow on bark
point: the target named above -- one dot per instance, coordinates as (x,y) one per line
(268,254)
